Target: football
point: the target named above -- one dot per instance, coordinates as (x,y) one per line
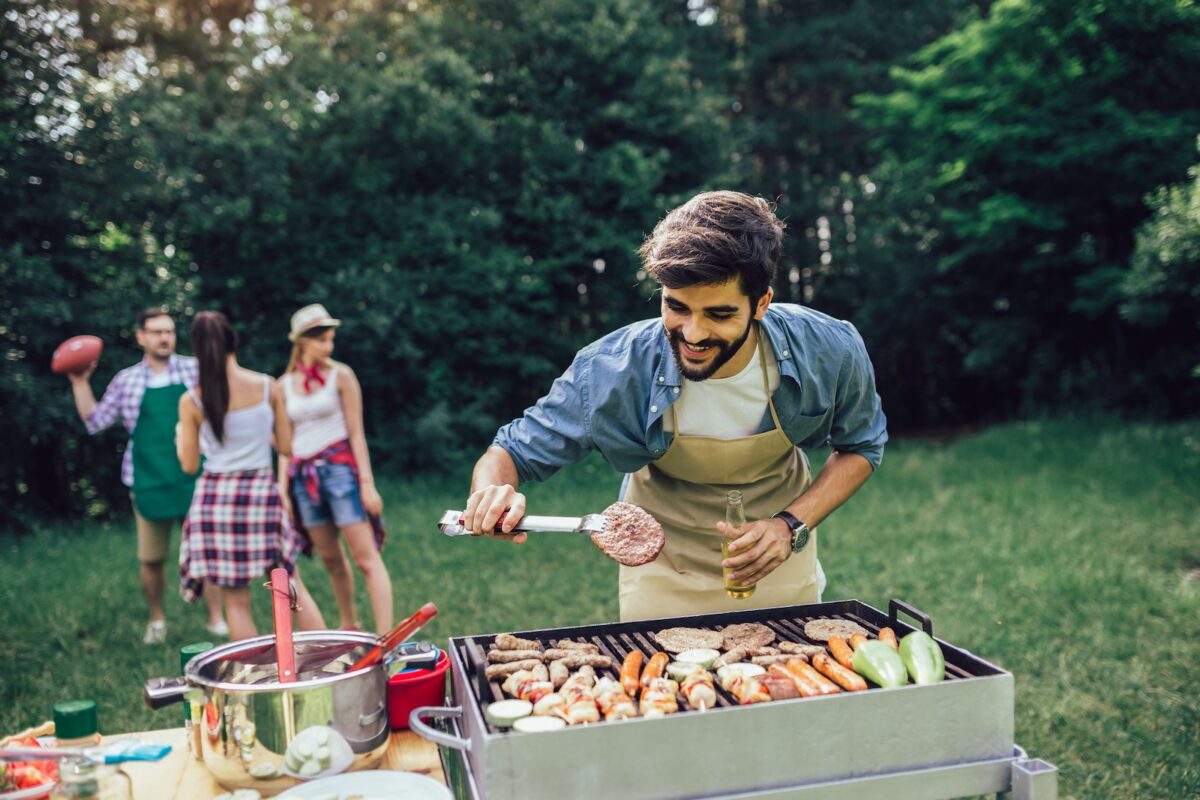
(76,354)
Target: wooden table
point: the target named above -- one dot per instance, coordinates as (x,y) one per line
(182,777)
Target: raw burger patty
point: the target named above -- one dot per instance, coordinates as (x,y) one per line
(676,640)
(748,634)
(819,630)
(631,536)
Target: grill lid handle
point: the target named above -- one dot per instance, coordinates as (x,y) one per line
(895,606)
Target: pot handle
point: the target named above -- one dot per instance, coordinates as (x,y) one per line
(161,692)
(425,731)
(367,720)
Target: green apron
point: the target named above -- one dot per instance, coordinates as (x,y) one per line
(161,489)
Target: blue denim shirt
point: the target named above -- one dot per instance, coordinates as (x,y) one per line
(613,396)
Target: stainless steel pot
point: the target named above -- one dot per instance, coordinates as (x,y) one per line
(244,719)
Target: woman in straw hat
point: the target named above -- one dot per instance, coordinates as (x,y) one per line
(328,478)
(236,529)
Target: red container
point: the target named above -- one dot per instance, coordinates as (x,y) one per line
(421,687)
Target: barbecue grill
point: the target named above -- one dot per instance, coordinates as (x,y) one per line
(942,740)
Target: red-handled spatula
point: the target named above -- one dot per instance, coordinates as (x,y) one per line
(397,635)
(281,605)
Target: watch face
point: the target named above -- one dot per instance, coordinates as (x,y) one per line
(799,537)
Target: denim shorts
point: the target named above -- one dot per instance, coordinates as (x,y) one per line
(341,503)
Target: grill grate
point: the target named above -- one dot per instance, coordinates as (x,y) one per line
(618,639)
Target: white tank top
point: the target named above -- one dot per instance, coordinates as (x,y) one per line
(317,418)
(247,442)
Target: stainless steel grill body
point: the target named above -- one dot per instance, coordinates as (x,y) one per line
(733,750)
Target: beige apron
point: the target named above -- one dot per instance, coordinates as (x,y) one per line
(685,491)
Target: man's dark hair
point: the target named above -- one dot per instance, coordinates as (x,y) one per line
(151,313)
(714,237)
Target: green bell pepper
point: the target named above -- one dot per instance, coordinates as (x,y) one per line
(923,658)
(879,663)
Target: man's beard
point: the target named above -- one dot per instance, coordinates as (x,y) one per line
(725,351)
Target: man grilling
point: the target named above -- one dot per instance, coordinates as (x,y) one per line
(725,392)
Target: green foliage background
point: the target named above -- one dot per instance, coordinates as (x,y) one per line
(465,183)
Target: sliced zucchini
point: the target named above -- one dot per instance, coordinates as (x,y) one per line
(265,771)
(535,724)
(678,670)
(702,656)
(504,713)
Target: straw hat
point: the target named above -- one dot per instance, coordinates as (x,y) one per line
(309,317)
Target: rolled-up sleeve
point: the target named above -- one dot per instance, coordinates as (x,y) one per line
(554,432)
(859,425)
(109,408)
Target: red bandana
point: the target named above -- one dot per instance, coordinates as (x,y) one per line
(311,374)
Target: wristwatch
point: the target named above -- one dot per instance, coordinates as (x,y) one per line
(799,530)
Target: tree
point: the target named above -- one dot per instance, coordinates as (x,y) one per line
(1017,153)
(1162,293)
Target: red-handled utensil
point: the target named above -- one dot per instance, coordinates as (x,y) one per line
(281,604)
(396,635)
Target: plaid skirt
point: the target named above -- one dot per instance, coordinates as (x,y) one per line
(235,532)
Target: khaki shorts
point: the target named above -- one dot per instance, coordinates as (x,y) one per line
(153,536)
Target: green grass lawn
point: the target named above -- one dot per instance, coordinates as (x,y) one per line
(1066,552)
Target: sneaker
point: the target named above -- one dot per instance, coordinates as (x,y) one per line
(156,632)
(219,628)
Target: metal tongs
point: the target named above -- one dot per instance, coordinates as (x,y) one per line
(452,524)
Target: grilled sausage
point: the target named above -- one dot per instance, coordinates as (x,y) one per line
(506,641)
(824,685)
(505,656)
(848,679)
(888,637)
(577,660)
(779,687)
(803,684)
(655,667)
(856,641)
(555,653)
(500,670)
(631,672)
(841,651)
(781,658)
(799,649)
(570,644)
(559,672)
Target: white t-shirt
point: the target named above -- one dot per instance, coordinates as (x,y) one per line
(159,379)
(726,408)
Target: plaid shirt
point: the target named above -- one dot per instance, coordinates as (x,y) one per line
(123,398)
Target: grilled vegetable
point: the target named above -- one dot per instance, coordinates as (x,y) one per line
(702,656)
(752,689)
(922,657)
(631,672)
(881,664)
(888,637)
(841,651)
(504,713)
(535,724)
(848,679)
(678,670)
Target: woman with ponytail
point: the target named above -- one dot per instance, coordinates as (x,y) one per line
(328,478)
(237,529)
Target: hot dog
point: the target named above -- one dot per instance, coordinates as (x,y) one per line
(809,682)
(631,672)
(803,684)
(654,669)
(856,641)
(888,637)
(848,679)
(841,651)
